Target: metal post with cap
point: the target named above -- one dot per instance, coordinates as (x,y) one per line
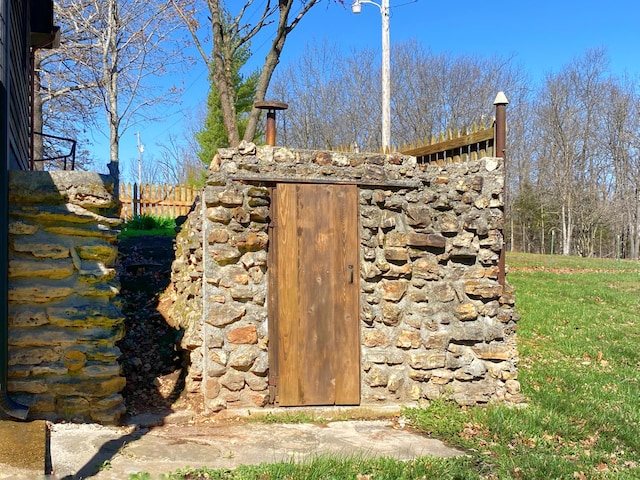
(383,6)
(499,146)
(271,107)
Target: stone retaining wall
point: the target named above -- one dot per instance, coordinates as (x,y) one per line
(435,322)
(63,317)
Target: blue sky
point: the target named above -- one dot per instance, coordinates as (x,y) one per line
(542,35)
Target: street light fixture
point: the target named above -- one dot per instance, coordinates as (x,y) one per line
(356,7)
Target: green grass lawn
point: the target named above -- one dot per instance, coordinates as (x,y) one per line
(148,225)
(579,346)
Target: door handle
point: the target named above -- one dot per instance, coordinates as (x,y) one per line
(350,273)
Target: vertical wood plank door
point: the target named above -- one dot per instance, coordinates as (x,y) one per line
(317,295)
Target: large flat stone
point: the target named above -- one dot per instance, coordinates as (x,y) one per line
(23,446)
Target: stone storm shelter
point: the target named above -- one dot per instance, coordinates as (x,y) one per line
(326,278)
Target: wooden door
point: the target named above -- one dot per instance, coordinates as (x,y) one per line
(314,293)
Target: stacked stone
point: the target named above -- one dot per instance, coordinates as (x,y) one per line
(181,303)
(63,318)
(235,316)
(435,321)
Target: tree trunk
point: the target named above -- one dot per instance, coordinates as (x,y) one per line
(221,71)
(634,229)
(567,230)
(270,64)
(38,145)
(512,249)
(110,69)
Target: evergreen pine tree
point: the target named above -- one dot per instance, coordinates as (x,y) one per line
(213,134)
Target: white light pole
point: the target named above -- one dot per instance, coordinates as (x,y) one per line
(140,151)
(356,7)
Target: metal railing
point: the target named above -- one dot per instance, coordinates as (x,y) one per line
(53,153)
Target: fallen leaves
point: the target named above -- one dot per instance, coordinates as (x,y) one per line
(150,358)
(472,430)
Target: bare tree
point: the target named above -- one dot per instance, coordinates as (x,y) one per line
(58,108)
(113,53)
(335,99)
(330,98)
(232,27)
(622,143)
(570,120)
(179,162)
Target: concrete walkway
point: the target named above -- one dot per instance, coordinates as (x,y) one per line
(159,445)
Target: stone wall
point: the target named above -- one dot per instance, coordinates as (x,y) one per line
(63,316)
(435,322)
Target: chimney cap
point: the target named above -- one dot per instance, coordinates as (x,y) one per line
(271,105)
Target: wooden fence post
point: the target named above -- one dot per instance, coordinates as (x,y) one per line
(135,203)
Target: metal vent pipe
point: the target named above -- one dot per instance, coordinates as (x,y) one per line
(271,107)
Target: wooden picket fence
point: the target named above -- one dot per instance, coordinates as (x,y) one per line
(461,145)
(157,200)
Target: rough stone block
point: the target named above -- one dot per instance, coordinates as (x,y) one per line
(472,393)
(219,214)
(483,289)
(233,380)
(441,376)
(394,290)
(220,314)
(427,360)
(391,313)
(231,198)
(435,340)
(41,249)
(243,335)
(20,227)
(27,317)
(395,239)
(242,357)
(426,268)
(211,388)
(409,339)
(481,330)
(225,254)
(259,214)
(257,383)
(466,312)
(252,241)
(53,269)
(377,377)
(396,254)
(376,338)
(494,351)
(426,240)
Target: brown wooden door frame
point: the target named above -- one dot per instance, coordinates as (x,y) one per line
(314,331)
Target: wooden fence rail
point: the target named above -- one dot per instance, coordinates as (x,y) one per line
(470,143)
(156,200)
(460,145)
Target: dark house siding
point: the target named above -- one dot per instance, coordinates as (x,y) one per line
(14,151)
(19,86)
(4,80)
(14,88)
